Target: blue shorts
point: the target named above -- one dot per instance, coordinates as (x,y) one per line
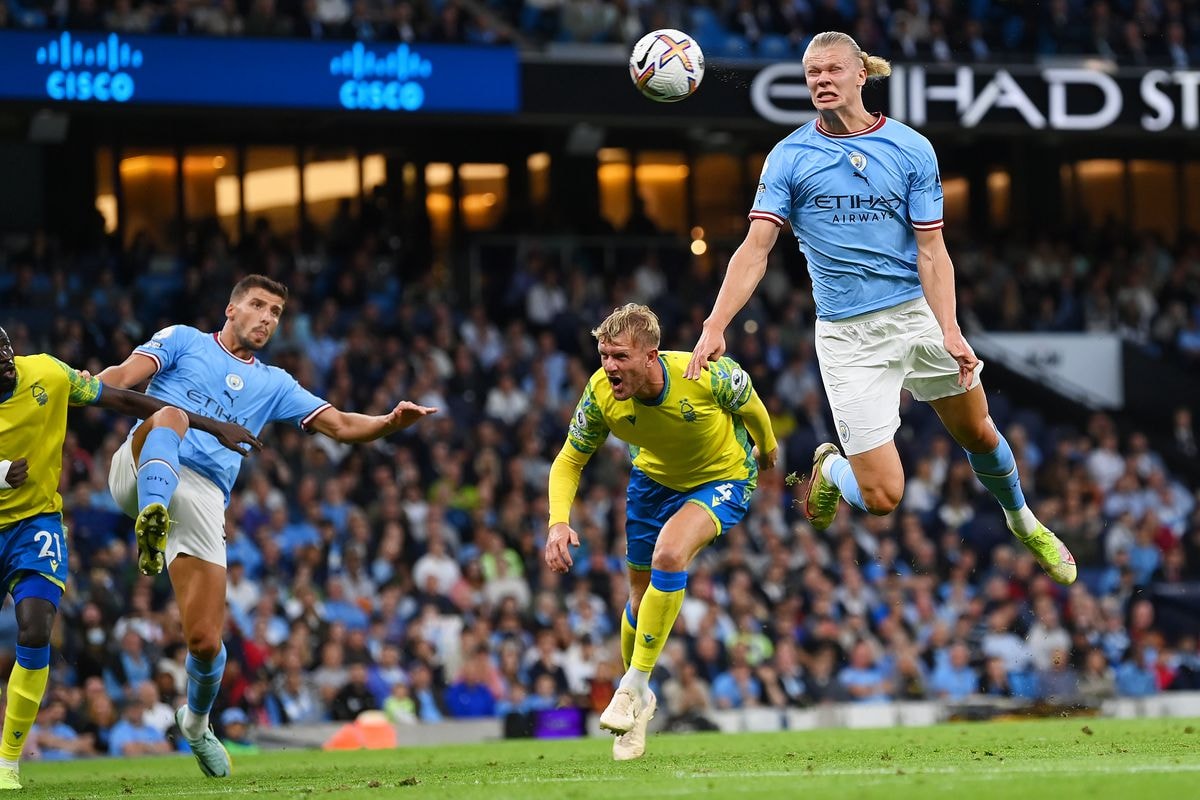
(37,545)
(649,505)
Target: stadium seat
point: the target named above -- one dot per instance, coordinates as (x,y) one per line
(734,46)
(775,46)
(1024,684)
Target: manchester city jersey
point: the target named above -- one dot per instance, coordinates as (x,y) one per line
(854,201)
(197,373)
(689,435)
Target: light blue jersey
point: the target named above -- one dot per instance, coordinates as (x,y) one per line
(854,201)
(197,373)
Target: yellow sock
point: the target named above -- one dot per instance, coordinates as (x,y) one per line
(25,690)
(656,616)
(628,635)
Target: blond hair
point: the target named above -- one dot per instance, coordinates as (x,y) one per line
(875,66)
(633,318)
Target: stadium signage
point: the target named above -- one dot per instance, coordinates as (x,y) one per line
(115,69)
(1049,98)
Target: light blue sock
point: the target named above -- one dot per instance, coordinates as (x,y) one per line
(204,681)
(997,471)
(158,467)
(843,477)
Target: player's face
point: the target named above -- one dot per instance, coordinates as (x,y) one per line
(255,316)
(834,77)
(628,365)
(8,367)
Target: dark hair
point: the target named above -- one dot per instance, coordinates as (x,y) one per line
(257,282)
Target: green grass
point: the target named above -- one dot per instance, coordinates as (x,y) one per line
(1060,759)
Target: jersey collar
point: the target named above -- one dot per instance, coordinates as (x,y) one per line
(217,338)
(666,386)
(874,126)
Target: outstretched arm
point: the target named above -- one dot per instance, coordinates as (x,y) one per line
(565,473)
(936,272)
(350,428)
(746,269)
(136,404)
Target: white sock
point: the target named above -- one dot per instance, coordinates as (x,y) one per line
(1022,522)
(827,466)
(637,682)
(193,725)
(6,764)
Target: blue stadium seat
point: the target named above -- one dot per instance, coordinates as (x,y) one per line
(775,46)
(734,46)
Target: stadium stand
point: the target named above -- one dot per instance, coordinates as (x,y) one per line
(407,576)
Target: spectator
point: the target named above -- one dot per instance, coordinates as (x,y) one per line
(131,736)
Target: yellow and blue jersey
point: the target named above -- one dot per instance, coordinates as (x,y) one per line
(33,425)
(854,201)
(693,433)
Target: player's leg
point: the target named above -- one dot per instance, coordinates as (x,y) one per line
(966,418)
(639,581)
(862,372)
(200,592)
(155,447)
(36,600)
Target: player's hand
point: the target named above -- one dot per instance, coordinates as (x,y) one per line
(766,460)
(559,541)
(18,472)
(235,438)
(406,413)
(83,373)
(710,347)
(961,352)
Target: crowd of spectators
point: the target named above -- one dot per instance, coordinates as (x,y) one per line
(406,576)
(1127,31)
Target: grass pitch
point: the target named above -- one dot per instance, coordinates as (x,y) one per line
(1061,759)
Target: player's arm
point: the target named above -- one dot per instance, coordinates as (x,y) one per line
(936,272)
(587,432)
(353,428)
(133,371)
(734,391)
(87,390)
(746,269)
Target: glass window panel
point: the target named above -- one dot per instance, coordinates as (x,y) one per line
(538,165)
(210,188)
(718,200)
(614,174)
(999,187)
(956,197)
(374,172)
(1155,197)
(331,179)
(662,188)
(106,198)
(1102,191)
(439,200)
(148,186)
(484,194)
(272,187)
(1191,182)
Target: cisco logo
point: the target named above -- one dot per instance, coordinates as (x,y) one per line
(94,73)
(378,82)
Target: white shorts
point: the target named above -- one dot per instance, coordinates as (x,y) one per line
(197,508)
(866,361)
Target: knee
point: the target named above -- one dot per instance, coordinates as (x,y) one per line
(884,498)
(169,417)
(36,631)
(204,645)
(669,557)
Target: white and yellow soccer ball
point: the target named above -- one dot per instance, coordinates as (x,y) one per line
(666,65)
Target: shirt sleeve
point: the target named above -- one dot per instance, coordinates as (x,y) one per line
(296,404)
(165,346)
(82,391)
(773,198)
(925,190)
(731,386)
(588,430)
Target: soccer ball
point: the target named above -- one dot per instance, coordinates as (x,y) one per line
(666,65)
